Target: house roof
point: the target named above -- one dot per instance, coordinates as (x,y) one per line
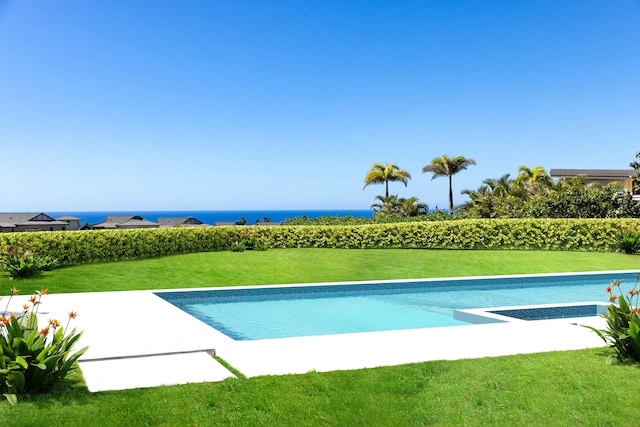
(12,220)
(593,173)
(124,221)
(68,218)
(172,222)
(22,217)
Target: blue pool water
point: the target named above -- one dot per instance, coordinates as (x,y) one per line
(279,312)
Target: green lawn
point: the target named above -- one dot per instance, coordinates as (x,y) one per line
(559,388)
(313,265)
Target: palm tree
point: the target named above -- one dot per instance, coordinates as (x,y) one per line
(412,207)
(380,174)
(386,206)
(448,166)
(533,176)
(499,187)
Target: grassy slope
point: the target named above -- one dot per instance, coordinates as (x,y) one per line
(313,265)
(561,388)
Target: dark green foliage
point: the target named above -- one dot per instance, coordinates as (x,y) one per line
(534,195)
(628,242)
(585,201)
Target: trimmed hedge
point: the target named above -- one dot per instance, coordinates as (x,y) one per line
(76,247)
(550,234)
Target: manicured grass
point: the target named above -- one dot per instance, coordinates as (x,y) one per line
(213,269)
(549,389)
(559,388)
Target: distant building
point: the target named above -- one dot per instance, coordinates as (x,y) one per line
(600,176)
(180,222)
(16,222)
(120,222)
(261,223)
(228,223)
(74,223)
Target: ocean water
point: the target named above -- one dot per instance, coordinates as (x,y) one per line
(211,217)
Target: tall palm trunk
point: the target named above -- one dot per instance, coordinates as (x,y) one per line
(450,196)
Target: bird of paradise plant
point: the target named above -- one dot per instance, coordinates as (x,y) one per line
(33,359)
(623,322)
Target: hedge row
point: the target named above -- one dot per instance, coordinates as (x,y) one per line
(550,234)
(76,247)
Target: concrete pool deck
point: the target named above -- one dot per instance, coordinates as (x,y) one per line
(137,339)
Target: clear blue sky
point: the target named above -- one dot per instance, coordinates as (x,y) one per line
(180,105)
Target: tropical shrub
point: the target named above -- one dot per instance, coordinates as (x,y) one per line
(247,239)
(533,194)
(623,323)
(628,238)
(20,261)
(33,359)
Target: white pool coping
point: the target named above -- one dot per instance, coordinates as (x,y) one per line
(137,339)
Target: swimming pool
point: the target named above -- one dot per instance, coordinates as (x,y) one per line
(289,311)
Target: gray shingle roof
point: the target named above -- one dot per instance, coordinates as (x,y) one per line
(124,221)
(12,220)
(593,173)
(173,222)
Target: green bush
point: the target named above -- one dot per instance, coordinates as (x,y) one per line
(247,239)
(76,247)
(20,261)
(628,238)
(33,360)
(623,323)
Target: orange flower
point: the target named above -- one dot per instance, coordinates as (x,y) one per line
(25,307)
(616,283)
(73,314)
(612,298)
(44,332)
(5,320)
(14,291)
(54,323)
(43,291)
(635,310)
(609,289)
(33,299)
